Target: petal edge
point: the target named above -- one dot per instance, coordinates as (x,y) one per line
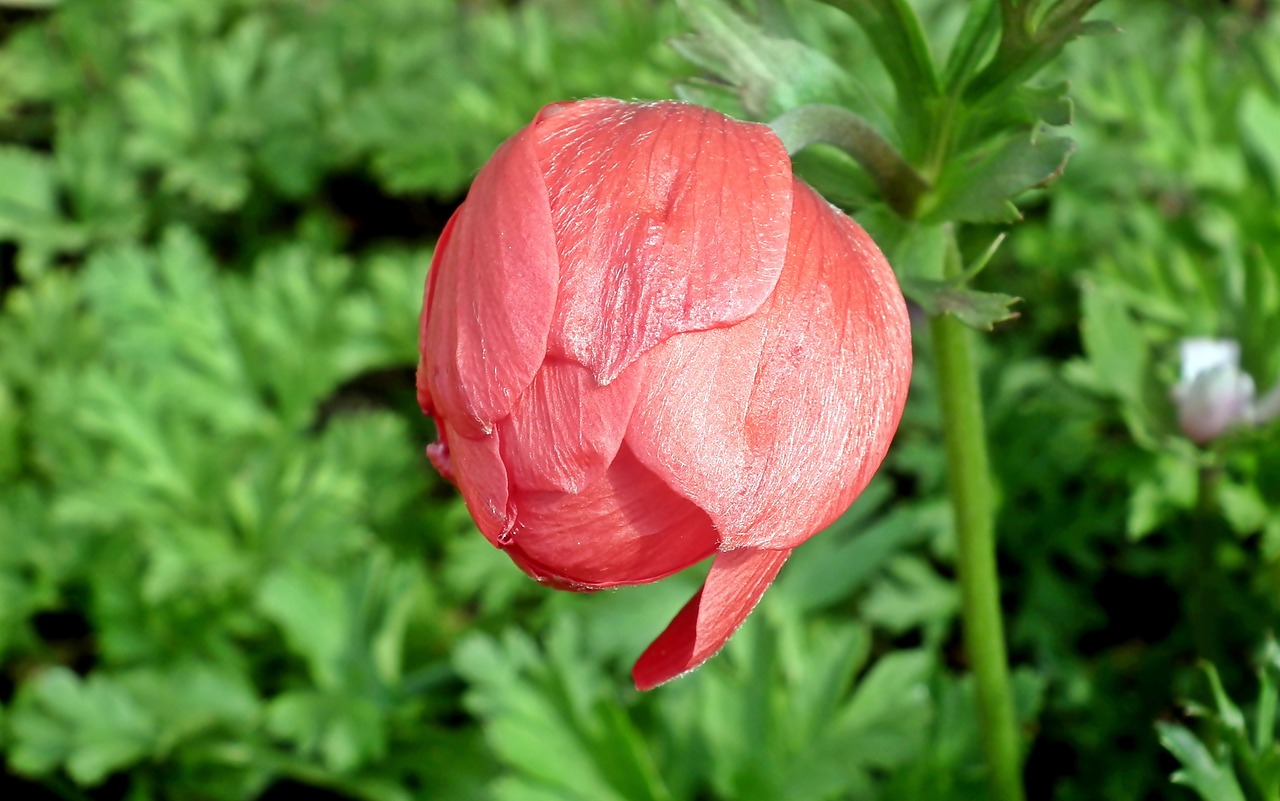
(734,586)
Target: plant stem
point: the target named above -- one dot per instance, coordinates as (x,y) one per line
(897,180)
(1202,570)
(969,477)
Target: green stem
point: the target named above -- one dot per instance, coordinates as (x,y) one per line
(897,180)
(1202,570)
(969,476)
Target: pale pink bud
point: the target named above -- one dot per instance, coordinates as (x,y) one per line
(1213,394)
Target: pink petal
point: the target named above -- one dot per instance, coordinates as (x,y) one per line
(475,466)
(492,293)
(626,528)
(733,588)
(423,385)
(775,425)
(668,218)
(566,428)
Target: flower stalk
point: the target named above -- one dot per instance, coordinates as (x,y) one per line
(899,183)
(969,477)
(1202,571)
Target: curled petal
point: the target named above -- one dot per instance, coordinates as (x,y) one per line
(566,428)
(733,588)
(491,294)
(668,218)
(775,425)
(626,528)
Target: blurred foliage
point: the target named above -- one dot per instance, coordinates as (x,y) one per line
(1237,751)
(226,571)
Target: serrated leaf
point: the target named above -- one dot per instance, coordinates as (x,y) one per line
(196,698)
(981,187)
(911,594)
(29,212)
(90,727)
(529,725)
(770,74)
(976,309)
(886,722)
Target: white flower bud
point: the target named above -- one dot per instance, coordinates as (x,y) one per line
(1213,393)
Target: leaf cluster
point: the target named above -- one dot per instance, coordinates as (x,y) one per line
(116,118)
(805,703)
(1237,757)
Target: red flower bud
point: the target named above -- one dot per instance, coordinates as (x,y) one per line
(645,342)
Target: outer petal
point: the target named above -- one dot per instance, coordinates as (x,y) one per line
(626,528)
(566,428)
(668,218)
(774,426)
(421,380)
(476,467)
(491,293)
(733,588)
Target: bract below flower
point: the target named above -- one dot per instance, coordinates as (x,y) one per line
(645,342)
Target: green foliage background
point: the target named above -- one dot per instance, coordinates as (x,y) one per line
(227,572)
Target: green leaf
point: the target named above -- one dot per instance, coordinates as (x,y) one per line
(1113,342)
(770,74)
(1211,777)
(852,552)
(530,721)
(980,310)
(1243,506)
(976,38)
(895,32)
(1259,120)
(92,727)
(345,732)
(1167,486)
(29,211)
(823,675)
(980,187)
(196,699)
(1264,732)
(911,594)
(28,197)
(311,610)
(1031,36)
(1228,714)
(101,188)
(1260,326)
(172,103)
(887,719)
